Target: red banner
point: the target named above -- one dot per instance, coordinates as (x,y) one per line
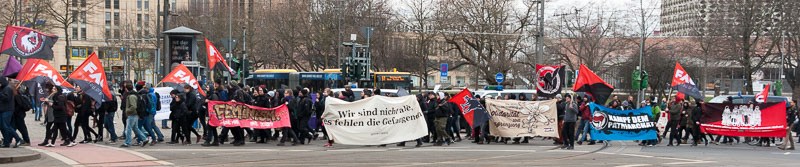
(235,114)
(91,77)
(180,76)
(215,59)
(759,120)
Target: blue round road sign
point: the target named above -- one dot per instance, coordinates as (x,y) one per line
(499,77)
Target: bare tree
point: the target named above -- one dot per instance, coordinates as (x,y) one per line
(789,19)
(592,36)
(748,25)
(485,34)
(67,12)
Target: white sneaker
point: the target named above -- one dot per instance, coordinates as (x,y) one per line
(49,145)
(72,144)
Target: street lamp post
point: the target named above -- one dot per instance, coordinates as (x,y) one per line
(641,52)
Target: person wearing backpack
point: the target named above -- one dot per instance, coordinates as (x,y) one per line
(6,112)
(153,103)
(132,110)
(22,105)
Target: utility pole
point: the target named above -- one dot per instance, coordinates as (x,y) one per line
(230,36)
(641,52)
(244,54)
(540,34)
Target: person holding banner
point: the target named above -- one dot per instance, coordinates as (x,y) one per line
(791,114)
(212,139)
(287,131)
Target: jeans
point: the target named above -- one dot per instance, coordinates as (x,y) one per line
(583,130)
(151,129)
(164,123)
(37,110)
(108,120)
(7,129)
(133,120)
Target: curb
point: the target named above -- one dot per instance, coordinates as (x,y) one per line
(21,158)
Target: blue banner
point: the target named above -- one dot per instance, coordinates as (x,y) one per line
(612,124)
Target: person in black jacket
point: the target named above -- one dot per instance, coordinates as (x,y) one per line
(192,104)
(84,107)
(108,109)
(262,100)
(6,113)
(59,113)
(287,131)
(303,110)
(238,132)
(212,138)
(178,112)
(442,113)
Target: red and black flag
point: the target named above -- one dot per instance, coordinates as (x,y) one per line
(589,82)
(215,60)
(27,43)
(682,82)
(471,108)
(550,80)
(36,72)
(91,77)
(182,76)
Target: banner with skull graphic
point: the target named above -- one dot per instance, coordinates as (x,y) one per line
(513,118)
(612,124)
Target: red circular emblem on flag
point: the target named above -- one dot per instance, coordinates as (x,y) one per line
(28,42)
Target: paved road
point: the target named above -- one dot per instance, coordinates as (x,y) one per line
(538,153)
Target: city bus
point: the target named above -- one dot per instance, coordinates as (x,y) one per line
(328,78)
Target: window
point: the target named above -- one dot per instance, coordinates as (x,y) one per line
(146,4)
(83,32)
(108,33)
(83,3)
(74,33)
(108,4)
(80,52)
(139,20)
(108,20)
(116,4)
(146,20)
(116,18)
(74,3)
(139,4)
(109,53)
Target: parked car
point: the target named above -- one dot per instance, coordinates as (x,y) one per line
(357,92)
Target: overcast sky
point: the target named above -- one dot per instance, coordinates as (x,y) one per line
(553,7)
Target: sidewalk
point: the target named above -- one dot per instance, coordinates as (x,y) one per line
(15,155)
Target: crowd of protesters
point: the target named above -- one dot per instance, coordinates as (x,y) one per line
(138,104)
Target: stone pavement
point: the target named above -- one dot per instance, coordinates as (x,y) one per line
(14,155)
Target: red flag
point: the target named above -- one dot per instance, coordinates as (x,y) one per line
(682,82)
(27,43)
(180,76)
(91,77)
(589,82)
(762,97)
(472,110)
(40,72)
(215,58)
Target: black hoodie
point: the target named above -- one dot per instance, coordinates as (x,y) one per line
(6,96)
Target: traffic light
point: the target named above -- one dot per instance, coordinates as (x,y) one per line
(356,72)
(645,77)
(570,78)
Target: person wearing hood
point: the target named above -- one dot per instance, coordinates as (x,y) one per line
(84,107)
(6,113)
(56,117)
